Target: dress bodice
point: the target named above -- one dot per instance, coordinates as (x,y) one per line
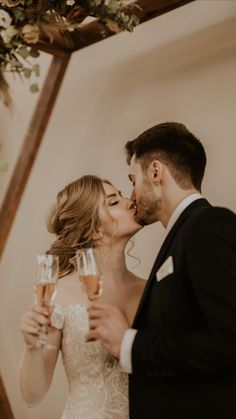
(97,387)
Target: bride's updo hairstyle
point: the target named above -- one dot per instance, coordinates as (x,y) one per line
(74,219)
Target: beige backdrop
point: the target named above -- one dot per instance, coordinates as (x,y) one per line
(178,67)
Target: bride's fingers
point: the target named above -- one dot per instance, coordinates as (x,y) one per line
(45,311)
(30,322)
(31,329)
(35,316)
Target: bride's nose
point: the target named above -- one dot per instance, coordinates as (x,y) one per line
(127,202)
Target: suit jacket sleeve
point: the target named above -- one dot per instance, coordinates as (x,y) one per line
(210,255)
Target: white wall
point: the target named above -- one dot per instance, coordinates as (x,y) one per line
(179,67)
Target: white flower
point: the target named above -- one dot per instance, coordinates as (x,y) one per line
(5,19)
(70,2)
(10,3)
(7,34)
(30,34)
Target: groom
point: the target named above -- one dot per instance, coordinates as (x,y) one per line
(181,349)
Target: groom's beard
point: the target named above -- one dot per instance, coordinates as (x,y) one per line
(147,210)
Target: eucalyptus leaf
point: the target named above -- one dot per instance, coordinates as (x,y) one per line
(19,15)
(34,88)
(113,6)
(36,70)
(15,63)
(31,21)
(34,52)
(27,73)
(24,52)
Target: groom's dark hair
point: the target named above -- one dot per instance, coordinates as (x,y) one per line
(173,144)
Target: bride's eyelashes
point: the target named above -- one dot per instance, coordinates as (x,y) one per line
(117,200)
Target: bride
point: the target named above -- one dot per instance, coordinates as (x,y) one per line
(87,212)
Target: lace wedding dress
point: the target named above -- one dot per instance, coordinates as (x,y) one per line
(98,389)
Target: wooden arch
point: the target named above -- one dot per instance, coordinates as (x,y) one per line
(61,50)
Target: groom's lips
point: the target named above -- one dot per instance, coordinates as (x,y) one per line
(135,210)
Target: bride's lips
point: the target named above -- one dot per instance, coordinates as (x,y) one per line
(134,209)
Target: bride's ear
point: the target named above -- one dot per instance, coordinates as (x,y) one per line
(97,235)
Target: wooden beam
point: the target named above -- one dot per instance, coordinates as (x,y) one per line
(5,408)
(90,33)
(31,144)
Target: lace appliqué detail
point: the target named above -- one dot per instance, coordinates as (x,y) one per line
(98,388)
(57,317)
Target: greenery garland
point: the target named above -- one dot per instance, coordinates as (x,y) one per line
(24,23)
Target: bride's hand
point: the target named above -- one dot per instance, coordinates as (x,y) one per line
(31,322)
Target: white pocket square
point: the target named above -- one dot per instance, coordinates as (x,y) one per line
(166,268)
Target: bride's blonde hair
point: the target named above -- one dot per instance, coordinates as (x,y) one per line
(74,219)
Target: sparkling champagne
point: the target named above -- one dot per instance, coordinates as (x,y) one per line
(92,285)
(46,275)
(43,293)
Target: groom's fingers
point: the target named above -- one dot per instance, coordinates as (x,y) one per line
(94,312)
(99,305)
(97,334)
(94,323)
(107,312)
(91,336)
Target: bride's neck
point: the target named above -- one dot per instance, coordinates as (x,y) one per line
(113,261)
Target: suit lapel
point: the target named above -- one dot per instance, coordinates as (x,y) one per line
(200,203)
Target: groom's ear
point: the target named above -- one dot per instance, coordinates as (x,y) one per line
(155,171)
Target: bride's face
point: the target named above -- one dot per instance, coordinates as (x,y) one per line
(117,214)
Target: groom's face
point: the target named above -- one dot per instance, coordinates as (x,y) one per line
(144,194)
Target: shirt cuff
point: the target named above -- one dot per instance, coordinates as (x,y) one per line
(125,350)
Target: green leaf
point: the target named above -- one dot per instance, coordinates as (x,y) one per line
(20,15)
(24,52)
(34,88)
(15,63)
(27,73)
(113,6)
(36,70)
(34,53)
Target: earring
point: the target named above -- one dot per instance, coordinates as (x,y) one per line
(98,235)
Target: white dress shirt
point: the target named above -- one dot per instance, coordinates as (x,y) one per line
(128,338)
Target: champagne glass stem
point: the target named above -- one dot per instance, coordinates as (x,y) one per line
(47,273)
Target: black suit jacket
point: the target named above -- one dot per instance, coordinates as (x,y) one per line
(184,353)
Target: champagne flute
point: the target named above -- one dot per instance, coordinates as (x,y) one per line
(89,274)
(46,275)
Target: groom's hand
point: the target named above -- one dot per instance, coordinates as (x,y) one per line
(107,324)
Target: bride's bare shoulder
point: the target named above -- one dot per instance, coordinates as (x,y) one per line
(69,290)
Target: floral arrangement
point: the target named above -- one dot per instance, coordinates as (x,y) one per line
(24,23)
